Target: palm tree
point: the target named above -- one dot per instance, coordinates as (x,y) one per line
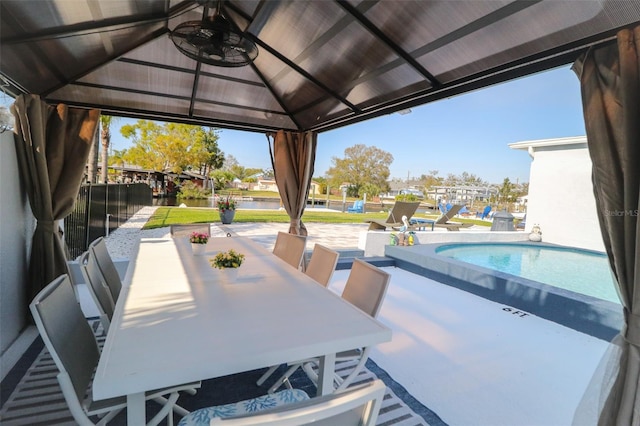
(105,137)
(92,161)
(118,159)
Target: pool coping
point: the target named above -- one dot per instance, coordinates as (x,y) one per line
(596,317)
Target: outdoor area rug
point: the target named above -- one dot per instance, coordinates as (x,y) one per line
(30,394)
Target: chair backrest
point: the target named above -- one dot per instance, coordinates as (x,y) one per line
(98,248)
(357,205)
(402,208)
(454,210)
(69,339)
(366,287)
(97,286)
(322,264)
(358,405)
(187,230)
(485,212)
(290,248)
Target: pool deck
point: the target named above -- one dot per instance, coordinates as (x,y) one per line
(471,360)
(596,317)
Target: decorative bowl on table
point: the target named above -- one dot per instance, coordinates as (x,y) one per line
(228,263)
(198,242)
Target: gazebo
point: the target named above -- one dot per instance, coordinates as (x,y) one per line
(292,70)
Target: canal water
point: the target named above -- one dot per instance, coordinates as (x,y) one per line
(270,204)
(241,204)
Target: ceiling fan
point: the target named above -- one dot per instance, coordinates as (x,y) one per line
(214,41)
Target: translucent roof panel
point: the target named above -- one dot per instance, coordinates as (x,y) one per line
(320,64)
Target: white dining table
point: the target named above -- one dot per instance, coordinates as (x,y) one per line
(177,321)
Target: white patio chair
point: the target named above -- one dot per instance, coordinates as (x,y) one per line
(321,267)
(72,345)
(290,248)
(98,288)
(365,288)
(359,405)
(322,264)
(98,248)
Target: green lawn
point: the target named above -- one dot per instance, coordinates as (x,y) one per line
(165,216)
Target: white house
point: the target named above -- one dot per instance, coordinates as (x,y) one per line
(270,185)
(560,197)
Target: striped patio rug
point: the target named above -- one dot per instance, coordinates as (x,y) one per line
(30,394)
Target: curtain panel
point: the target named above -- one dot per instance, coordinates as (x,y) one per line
(610,84)
(52,145)
(293,156)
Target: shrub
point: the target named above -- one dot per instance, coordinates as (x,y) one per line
(189,190)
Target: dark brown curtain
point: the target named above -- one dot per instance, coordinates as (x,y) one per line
(52,145)
(293,155)
(610,82)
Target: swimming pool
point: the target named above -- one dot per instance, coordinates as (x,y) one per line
(580,271)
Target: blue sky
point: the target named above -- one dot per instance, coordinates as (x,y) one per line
(467,133)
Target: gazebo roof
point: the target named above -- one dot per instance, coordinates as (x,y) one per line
(321,64)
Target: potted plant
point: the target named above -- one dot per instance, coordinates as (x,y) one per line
(227,209)
(198,242)
(228,262)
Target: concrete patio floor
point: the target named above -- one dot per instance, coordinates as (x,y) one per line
(470,360)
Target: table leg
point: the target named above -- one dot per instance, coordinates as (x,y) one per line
(136,409)
(325,374)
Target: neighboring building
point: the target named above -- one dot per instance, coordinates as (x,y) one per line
(560,197)
(264,185)
(521,203)
(270,185)
(463,194)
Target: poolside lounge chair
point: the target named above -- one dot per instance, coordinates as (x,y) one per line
(358,207)
(464,211)
(444,208)
(400,208)
(485,213)
(444,221)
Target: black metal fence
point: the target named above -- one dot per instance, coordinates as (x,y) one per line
(101,207)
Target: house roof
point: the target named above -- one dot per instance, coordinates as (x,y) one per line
(320,65)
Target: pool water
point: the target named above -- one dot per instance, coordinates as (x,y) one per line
(571,269)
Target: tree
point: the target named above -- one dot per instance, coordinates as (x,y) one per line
(369,189)
(117,158)
(221,178)
(92,161)
(105,136)
(505,192)
(230,162)
(361,165)
(431,180)
(215,158)
(244,173)
(464,179)
(168,146)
